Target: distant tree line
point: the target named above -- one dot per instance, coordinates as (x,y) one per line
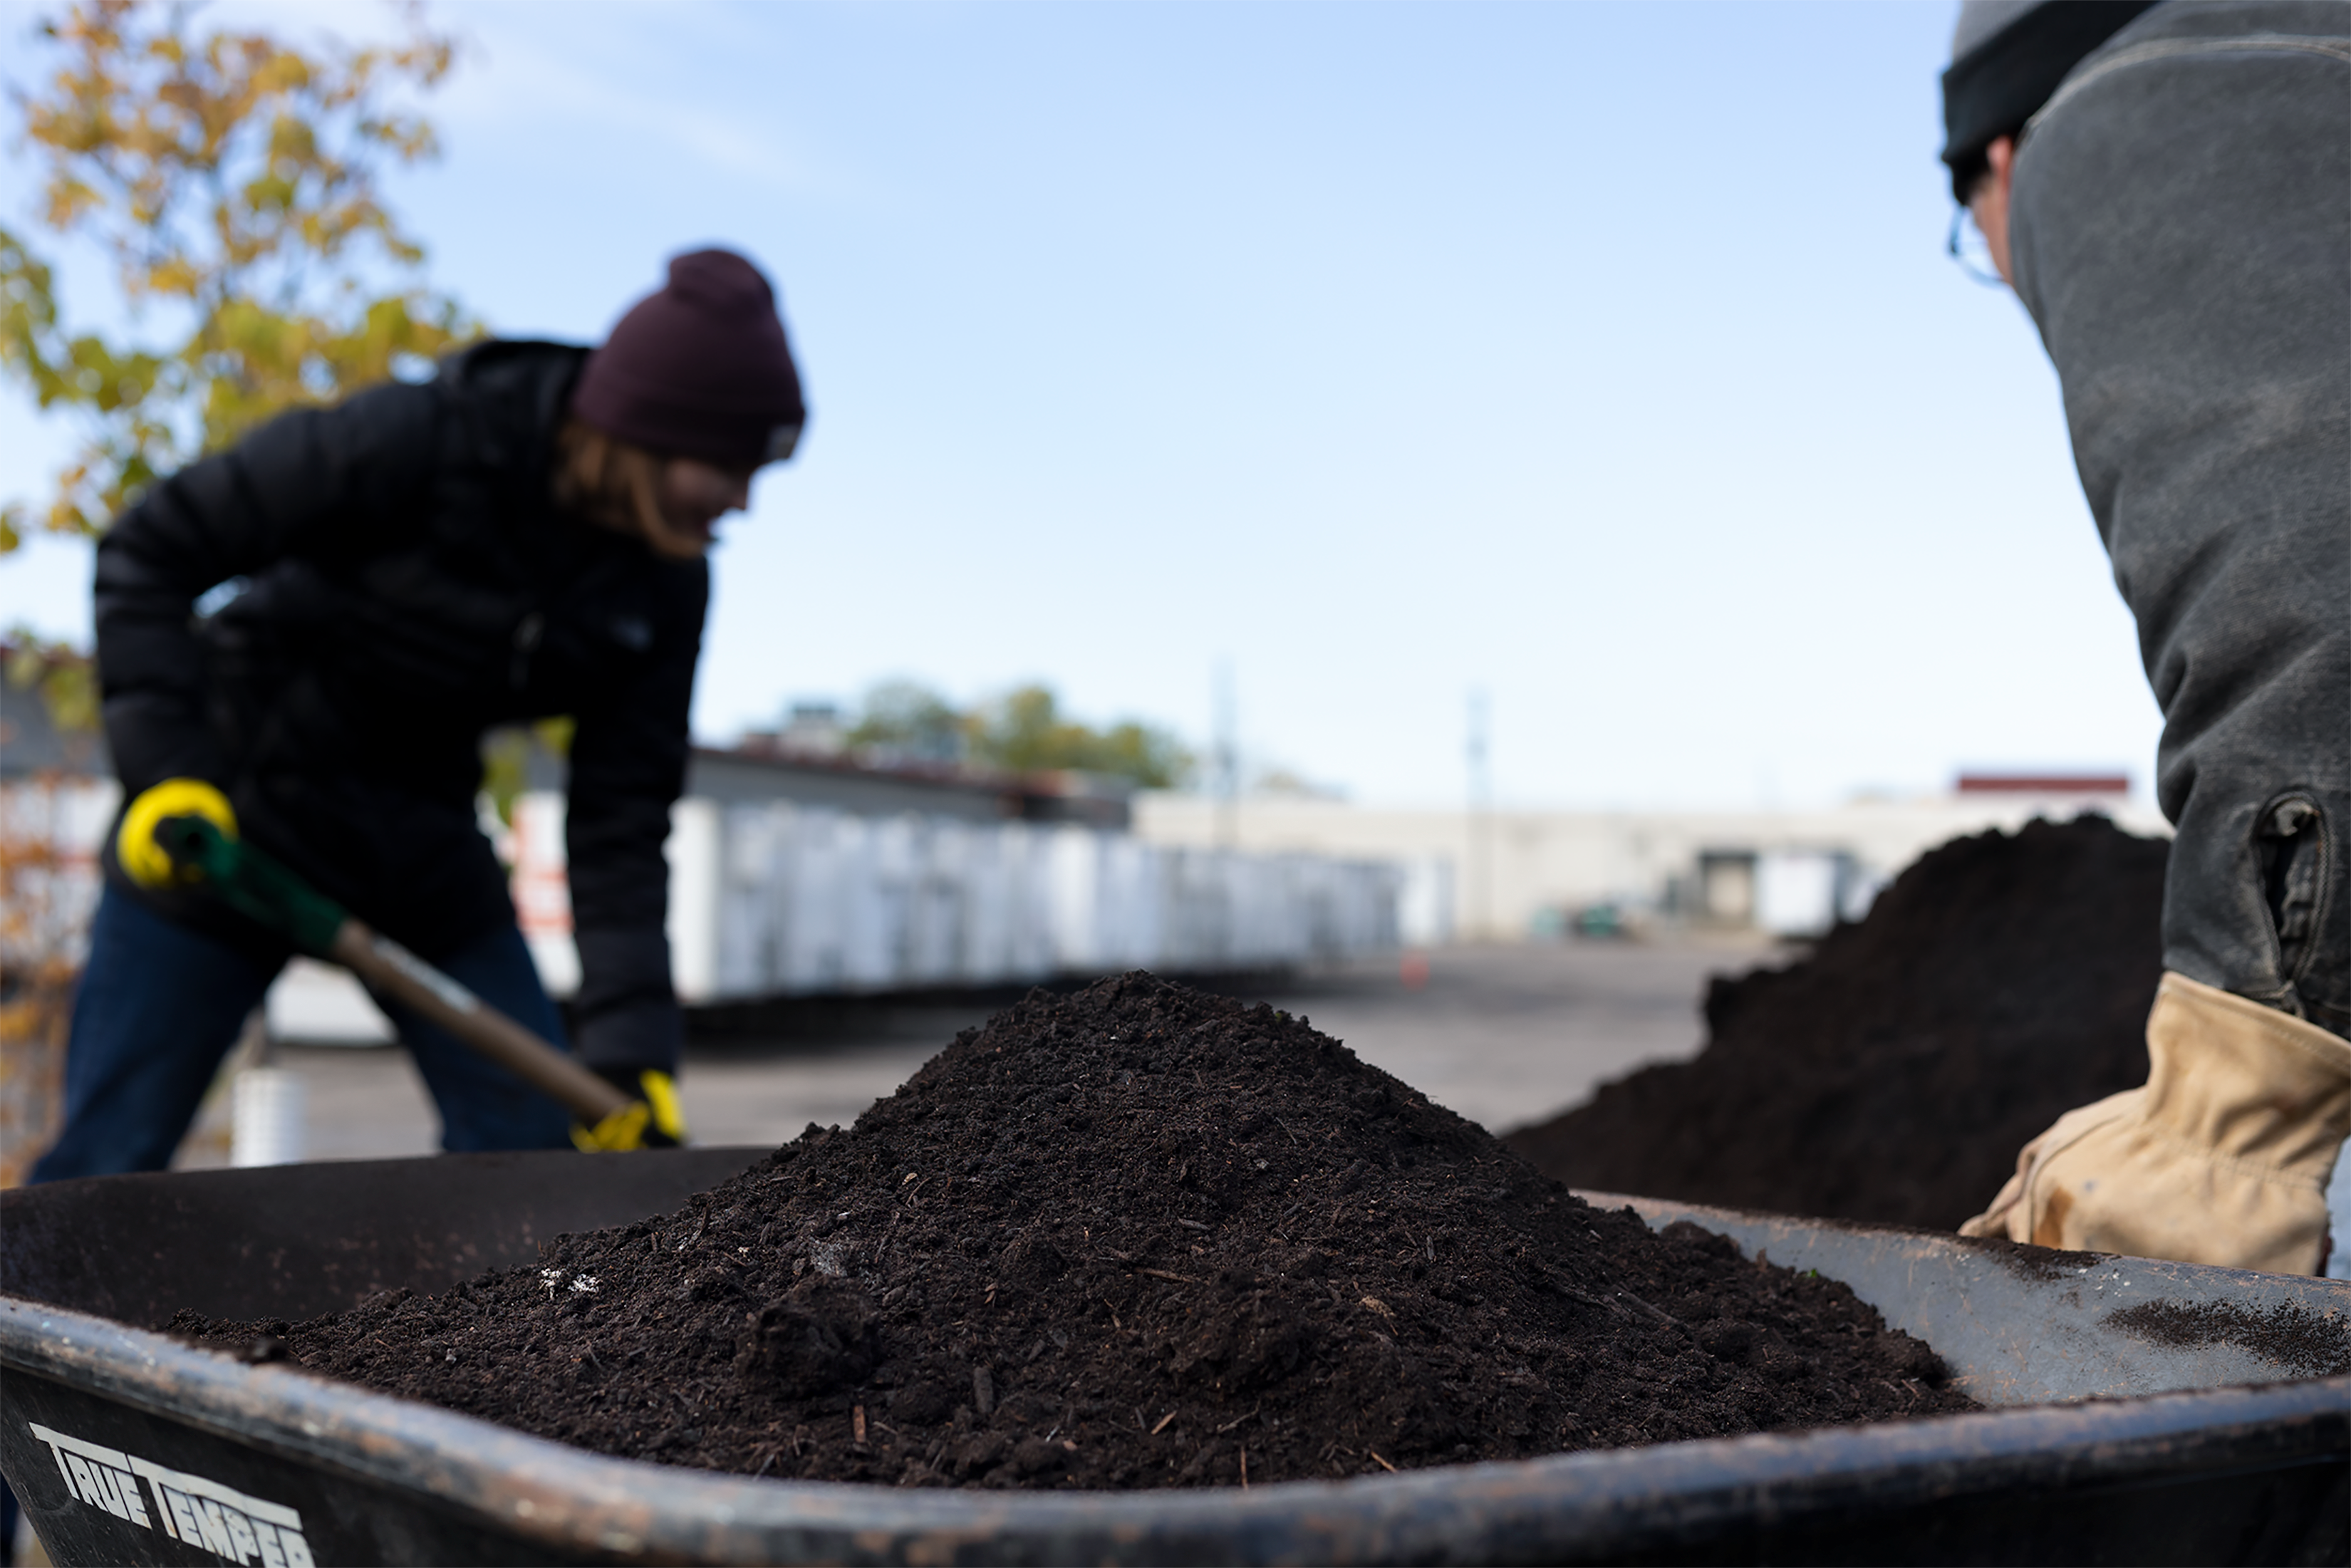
(1020,731)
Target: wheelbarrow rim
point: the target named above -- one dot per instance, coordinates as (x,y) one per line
(1597,1503)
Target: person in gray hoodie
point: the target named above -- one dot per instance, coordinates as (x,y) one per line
(2167,189)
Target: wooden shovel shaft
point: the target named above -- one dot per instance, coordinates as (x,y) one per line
(400,974)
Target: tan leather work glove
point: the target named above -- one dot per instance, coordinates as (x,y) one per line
(2223,1159)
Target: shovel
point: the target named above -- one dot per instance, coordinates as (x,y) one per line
(257,886)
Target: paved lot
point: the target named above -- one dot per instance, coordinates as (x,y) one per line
(1504,1035)
(1508,1035)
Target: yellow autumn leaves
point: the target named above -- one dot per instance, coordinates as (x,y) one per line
(231,181)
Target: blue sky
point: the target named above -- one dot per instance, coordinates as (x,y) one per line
(1601,357)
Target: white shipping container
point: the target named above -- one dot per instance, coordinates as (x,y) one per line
(816,928)
(778,899)
(697,885)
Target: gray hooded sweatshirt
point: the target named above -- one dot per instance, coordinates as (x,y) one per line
(2180,232)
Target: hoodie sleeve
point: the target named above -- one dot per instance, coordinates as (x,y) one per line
(274,494)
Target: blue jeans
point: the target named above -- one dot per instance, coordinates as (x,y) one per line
(158,1006)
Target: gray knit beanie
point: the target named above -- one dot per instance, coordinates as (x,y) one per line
(2007,59)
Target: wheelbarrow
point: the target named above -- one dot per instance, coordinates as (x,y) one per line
(2140,1412)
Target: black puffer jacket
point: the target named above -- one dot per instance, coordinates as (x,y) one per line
(411,585)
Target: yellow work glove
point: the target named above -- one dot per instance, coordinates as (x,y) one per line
(2223,1159)
(146,861)
(654,1121)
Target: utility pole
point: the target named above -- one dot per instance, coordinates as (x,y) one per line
(1480,891)
(1226,759)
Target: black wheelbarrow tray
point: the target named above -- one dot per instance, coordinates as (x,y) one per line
(2143,1412)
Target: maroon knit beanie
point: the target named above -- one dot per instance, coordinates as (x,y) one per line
(699,369)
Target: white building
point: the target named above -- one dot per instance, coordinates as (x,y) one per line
(1505,875)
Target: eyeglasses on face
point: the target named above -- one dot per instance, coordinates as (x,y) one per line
(1967,245)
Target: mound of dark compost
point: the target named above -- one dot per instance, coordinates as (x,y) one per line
(1893,1074)
(1136,1236)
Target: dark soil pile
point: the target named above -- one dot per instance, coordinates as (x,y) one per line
(1893,1074)
(1138,1237)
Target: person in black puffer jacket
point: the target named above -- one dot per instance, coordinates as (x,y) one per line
(521,537)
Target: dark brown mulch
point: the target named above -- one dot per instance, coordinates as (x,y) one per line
(1893,1074)
(1137,1237)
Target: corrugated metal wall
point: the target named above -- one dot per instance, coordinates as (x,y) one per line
(775,898)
